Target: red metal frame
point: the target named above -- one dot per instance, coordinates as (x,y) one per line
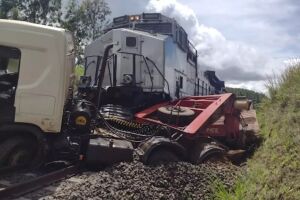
(204,108)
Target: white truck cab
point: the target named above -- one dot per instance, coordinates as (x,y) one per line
(36,70)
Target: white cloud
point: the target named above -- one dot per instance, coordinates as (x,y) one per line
(292,61)
(238,63)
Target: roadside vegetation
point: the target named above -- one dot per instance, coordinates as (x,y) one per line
(273,171)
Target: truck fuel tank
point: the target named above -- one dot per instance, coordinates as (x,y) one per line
(106,151)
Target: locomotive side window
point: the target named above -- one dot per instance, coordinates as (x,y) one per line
(131,41)
(181,82)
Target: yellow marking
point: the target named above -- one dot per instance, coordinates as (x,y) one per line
(81,120)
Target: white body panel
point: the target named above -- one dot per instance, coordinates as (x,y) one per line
(45,71)
(171,61)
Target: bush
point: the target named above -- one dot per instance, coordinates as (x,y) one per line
(273,172)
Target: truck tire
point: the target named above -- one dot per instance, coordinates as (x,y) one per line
(207,152)
(161,156)
(17,151)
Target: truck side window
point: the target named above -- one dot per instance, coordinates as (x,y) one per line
(9,60)
(9,68)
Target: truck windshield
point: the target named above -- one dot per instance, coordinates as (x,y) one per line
(91,67)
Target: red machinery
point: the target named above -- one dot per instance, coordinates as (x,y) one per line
(194,128)
(214,116)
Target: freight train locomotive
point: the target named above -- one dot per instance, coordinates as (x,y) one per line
(150,59)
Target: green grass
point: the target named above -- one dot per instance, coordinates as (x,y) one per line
(274,170)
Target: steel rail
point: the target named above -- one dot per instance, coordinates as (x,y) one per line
(8,170)
(20,189)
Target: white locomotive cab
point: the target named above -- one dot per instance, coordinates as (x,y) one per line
(129,47)
(160,65)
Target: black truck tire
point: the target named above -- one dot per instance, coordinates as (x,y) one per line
(207,152)
(161,156)
(17,151)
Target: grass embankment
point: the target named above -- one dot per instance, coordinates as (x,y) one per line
(274,170)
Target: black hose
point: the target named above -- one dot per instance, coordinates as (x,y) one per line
(117,131)
(160,74)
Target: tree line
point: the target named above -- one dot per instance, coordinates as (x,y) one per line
(84,18)
(256,97)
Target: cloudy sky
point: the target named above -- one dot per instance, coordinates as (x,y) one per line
(244,41)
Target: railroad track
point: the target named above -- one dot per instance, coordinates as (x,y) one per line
(14,184)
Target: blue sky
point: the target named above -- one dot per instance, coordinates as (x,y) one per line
(244,41)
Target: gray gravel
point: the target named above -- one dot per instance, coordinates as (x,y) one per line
(137,181)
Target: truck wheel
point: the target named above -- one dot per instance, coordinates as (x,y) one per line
(162,156)
(16,151)
(215,157)
(207,152)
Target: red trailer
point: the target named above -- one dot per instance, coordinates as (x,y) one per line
(200,126)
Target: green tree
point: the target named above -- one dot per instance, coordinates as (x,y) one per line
(256,97)
(73,21)
(85,20)
(41,11)
(8,9)
(95,13)
(36,11)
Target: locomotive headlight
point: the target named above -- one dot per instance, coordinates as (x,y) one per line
(131,18)
(134,18)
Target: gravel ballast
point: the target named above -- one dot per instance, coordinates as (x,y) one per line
(137,181)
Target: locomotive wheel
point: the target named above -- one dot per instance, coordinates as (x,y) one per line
(160,156)
(16,151)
